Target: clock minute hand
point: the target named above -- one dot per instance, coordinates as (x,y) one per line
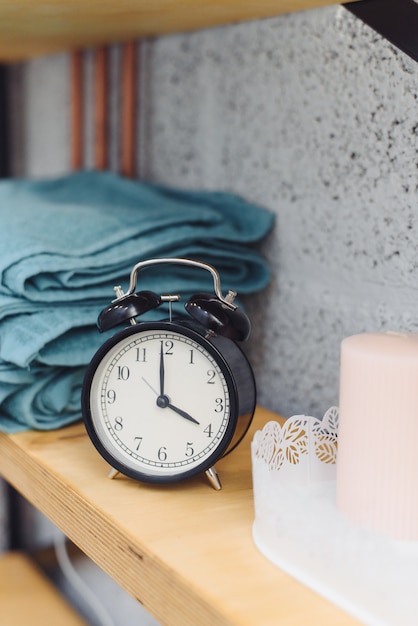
(162,370)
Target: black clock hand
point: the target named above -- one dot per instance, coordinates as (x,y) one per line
(162,370)
(182,413)
(164,403)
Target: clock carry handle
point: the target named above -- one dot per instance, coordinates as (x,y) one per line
(215,312)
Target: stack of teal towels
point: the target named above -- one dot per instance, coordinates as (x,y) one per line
(65,243)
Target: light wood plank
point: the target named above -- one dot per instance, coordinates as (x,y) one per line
(34,27)
(28,598)
(184,551)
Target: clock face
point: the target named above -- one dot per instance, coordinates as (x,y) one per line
(160,404)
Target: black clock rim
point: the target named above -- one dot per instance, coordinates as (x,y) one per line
(188,331)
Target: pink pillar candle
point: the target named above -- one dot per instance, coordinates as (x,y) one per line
(377,465)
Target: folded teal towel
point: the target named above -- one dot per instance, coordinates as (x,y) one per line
(65,243)
(51,400)
(64,239)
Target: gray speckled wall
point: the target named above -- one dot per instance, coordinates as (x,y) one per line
(314,116)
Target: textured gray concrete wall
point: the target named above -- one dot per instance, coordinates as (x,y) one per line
(314,116)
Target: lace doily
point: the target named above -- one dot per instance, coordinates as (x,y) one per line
(302,451)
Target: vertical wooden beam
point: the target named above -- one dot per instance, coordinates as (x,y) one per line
(128,109)
(77,127)
(100,109)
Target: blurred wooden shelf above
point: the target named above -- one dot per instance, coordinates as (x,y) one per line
(36,27)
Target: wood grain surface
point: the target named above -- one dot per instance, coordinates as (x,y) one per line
(185,551)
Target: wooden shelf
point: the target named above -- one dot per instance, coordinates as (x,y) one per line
(27,597)
(34,27)
(184,551)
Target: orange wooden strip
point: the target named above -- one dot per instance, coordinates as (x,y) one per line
(128,109)
(76,140)
(100,109)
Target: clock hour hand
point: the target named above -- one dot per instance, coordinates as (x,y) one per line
(164,403)
(182,413)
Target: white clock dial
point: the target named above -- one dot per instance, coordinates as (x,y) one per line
(160,402)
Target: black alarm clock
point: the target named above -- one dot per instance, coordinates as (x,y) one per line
(163,401)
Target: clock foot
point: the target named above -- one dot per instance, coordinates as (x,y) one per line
(113,473)
(213,478)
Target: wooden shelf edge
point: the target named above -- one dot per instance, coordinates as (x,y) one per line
(31,28)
